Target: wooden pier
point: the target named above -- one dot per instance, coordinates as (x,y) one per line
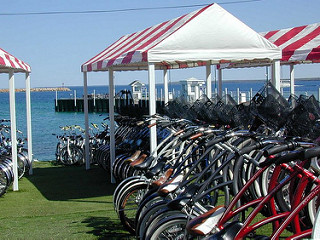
(122,106)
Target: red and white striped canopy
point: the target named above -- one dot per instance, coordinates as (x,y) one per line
(208,34)
(9,62)
(298,44)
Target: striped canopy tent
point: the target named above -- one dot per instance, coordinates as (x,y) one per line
(298,44)
(210,35)
(11,65)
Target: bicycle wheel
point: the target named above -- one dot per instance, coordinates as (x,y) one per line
(129,203)
(316,226)
(170,228)
(72,156)
(3,181)
(124,188)
(144,222)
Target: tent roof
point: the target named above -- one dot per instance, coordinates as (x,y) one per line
(209,34)
(9,62)
(298,44)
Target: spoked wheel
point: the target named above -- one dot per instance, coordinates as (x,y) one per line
(3,182)
(170,228)
(128,205)
(72,156)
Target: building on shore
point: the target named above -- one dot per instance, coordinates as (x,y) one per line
(192,89)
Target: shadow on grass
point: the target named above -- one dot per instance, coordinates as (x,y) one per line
(60,183)
(105,228)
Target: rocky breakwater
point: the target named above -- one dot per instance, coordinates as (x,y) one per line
(59,89)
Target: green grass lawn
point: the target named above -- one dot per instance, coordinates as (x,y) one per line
(59,202)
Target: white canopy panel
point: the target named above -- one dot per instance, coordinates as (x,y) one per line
(210,34)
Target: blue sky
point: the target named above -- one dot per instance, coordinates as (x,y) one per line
(56,45)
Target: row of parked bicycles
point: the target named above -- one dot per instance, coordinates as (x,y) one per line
(6,165)
(70,148)
(220,170)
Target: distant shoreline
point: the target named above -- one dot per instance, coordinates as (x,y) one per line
(45,89)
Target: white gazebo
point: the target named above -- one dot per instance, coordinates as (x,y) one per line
(191,88)
(205,37)
(137,89)
(11,65)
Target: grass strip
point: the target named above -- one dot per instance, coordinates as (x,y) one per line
(59,202)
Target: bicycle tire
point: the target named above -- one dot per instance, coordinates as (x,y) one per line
(124,189)
(316,226)
(4,183)
(170,228)
(128,205)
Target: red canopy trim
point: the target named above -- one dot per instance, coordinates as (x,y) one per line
(298,43)
(8,61)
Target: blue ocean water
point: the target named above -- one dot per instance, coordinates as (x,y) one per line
(45,121)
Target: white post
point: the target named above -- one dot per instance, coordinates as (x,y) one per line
(226,91)
(251,94)
(238,95)
(276,74)
(220,82)
(75,97)
(29,128)
(291,79)
(318,94)
(56,98)
(161,94)
(94,97)
(86,119)
(196,92)
(112,124)
(165,86)
(209,80)
(13,130)
(146,96)
(152,106)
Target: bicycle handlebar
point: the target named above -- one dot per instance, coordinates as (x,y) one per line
(301,154)
(280,148)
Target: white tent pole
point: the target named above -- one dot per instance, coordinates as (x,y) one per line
(292,79)
(276,74)
(29,128)
(220,82)
(56,98)
(165,86)
(152,105)
(112,125)
(209,80)
(86,119)
(75,97)
(196,92)
(13,130)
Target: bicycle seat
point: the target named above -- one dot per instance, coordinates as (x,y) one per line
(133,156)
(139,160)
(228,233)
(163,178)
(203,224)
(155,170)
(145,164)
(170,186)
